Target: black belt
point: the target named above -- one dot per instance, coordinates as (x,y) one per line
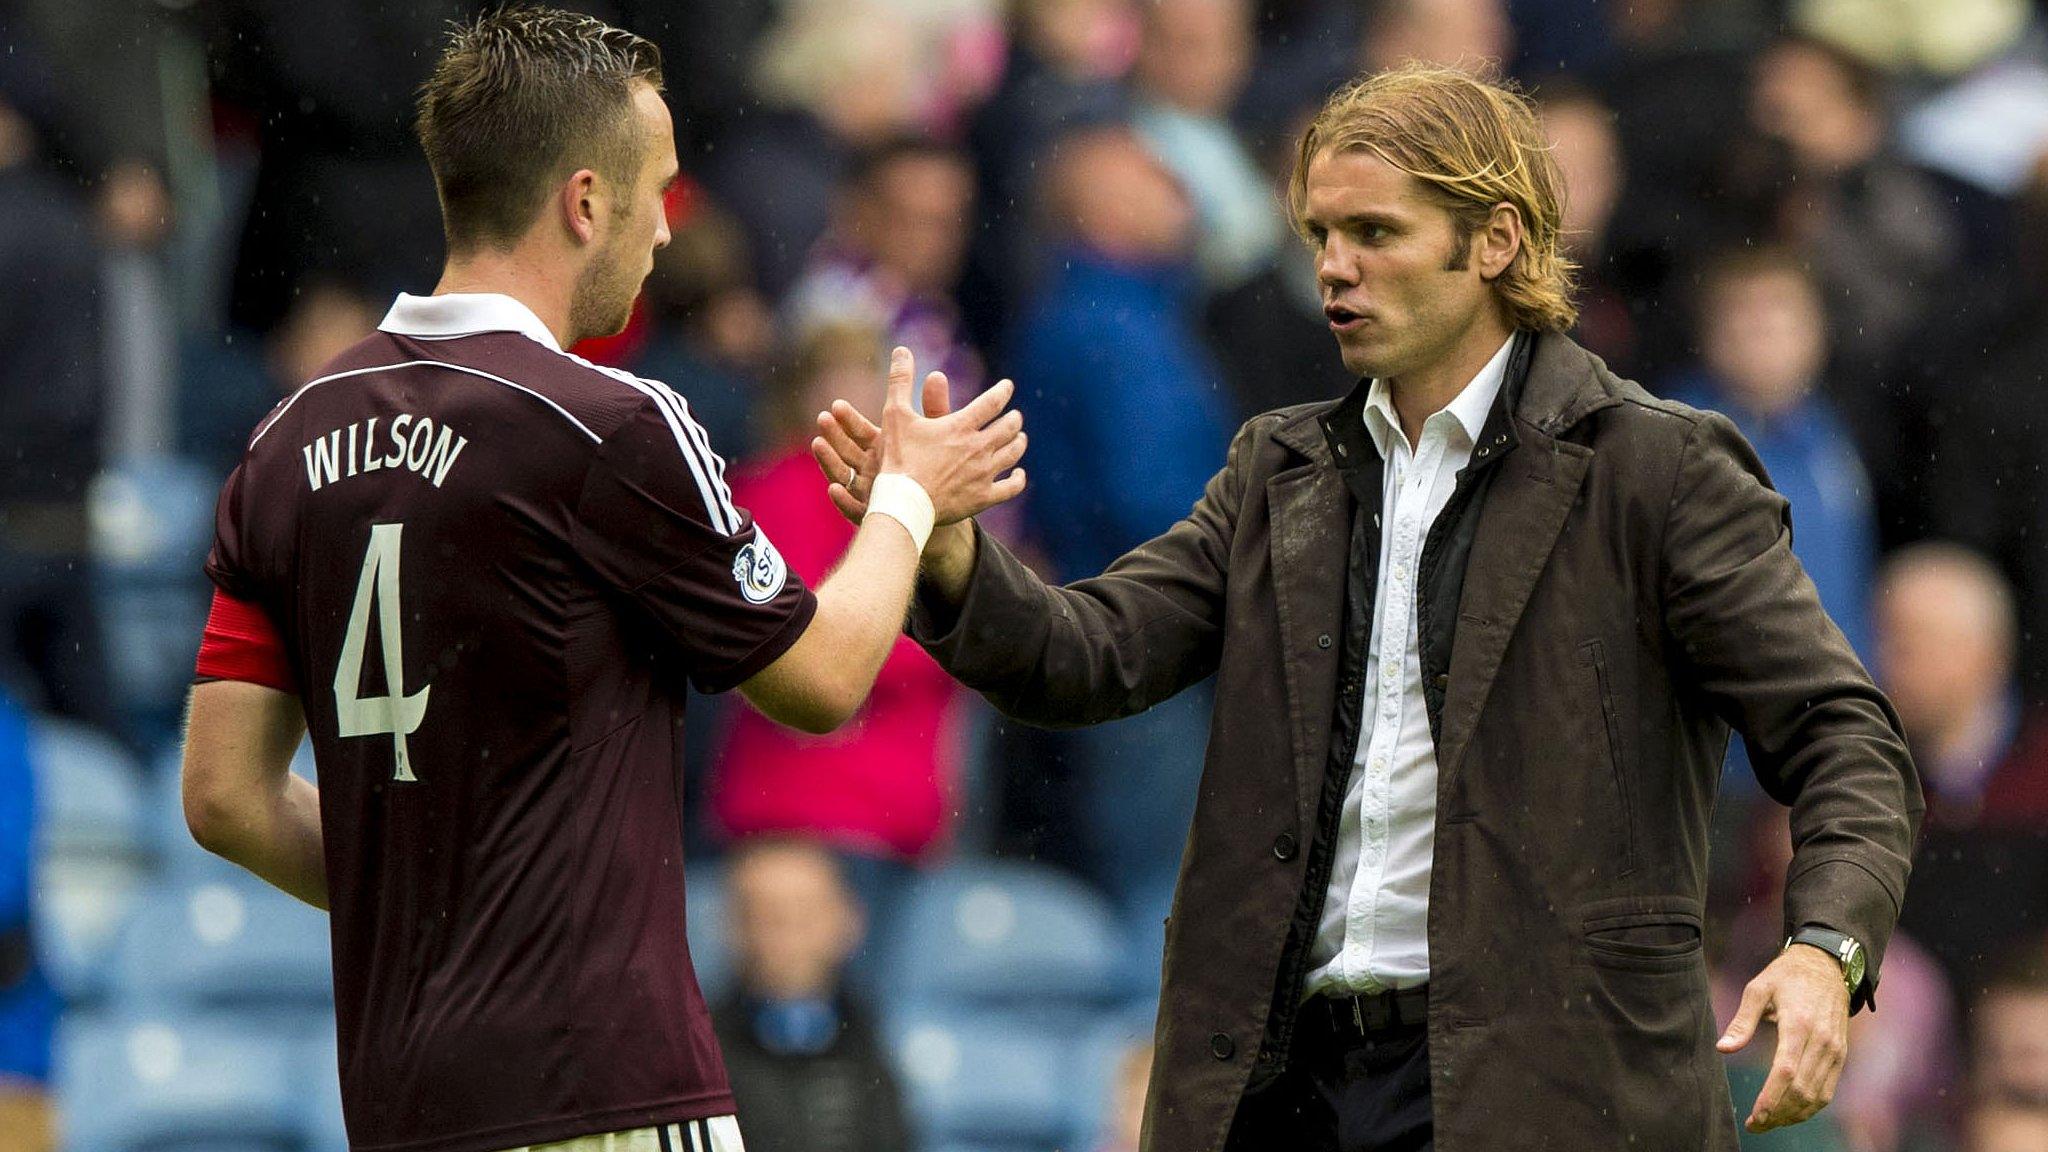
(1370,1016)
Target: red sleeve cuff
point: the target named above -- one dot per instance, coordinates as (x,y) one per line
(241,644)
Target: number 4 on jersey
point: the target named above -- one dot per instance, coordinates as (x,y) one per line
(393,713)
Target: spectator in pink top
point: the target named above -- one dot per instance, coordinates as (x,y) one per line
(881,790)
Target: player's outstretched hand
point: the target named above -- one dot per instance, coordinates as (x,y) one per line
(845,449)
(960,458)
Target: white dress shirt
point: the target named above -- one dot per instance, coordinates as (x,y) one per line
(1374,932)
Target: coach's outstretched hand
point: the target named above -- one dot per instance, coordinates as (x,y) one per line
(959,457)
(1802,992)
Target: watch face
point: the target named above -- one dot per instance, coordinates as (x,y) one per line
(1852,966)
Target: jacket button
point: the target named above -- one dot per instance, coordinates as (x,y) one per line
(1324,640)
(1284,846)
(1443,681)
(1222,1047)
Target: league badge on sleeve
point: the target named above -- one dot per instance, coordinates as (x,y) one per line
(759,569)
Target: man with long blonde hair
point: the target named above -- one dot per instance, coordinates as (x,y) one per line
(1480,630)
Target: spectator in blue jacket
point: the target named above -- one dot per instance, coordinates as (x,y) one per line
(1126,404)
(28,1007)
(1128,419)
(1192,62)
(1763,342)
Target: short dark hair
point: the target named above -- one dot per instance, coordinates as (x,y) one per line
(1737,264)
(873,161)
(1866,82)
(2020,968)
(523,96)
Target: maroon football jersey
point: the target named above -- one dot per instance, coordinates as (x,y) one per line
(493,565)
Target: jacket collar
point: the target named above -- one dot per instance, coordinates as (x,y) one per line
(1359,457)
(1551,385)
(455,314)
(1470,407)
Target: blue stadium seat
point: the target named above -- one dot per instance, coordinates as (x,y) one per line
(92,850)
(182,1144)
(152,522)
(705,927)
(321,1102)
(983,1078)
(226,940)
(302,761)
(1143,911)
(178,854)
(1096,1066)
(1002,934)
(88,789)
(142,1082)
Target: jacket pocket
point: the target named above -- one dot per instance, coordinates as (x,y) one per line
(1643,1005)
(1594,654)
(1643,933)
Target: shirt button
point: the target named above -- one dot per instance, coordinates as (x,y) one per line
(1221,1046)
(1323,641)
(1285,846)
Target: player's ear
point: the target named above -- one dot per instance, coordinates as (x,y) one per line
(579,205)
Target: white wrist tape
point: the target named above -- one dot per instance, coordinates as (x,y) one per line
(905,501)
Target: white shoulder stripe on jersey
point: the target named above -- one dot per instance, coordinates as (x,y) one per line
(703,439)
(672,401)
(705,465)
(280,411)
(716,505)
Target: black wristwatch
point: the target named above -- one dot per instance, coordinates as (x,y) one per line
(1840,945)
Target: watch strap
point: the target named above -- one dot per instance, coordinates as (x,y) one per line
(1846,950)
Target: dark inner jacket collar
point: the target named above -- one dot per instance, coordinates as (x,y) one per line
(1352,447)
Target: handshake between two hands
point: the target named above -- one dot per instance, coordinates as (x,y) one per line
(965,461)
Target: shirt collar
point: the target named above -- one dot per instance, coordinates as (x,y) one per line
(464,314)
(1469,408)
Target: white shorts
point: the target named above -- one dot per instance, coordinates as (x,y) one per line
(717,1134)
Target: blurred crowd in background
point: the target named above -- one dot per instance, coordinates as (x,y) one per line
(1826,218)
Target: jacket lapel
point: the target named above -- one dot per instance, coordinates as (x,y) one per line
(1308,549)
(1519,523)
(1518,526)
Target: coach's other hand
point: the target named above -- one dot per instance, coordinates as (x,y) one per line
(1802,991)
(959,457)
